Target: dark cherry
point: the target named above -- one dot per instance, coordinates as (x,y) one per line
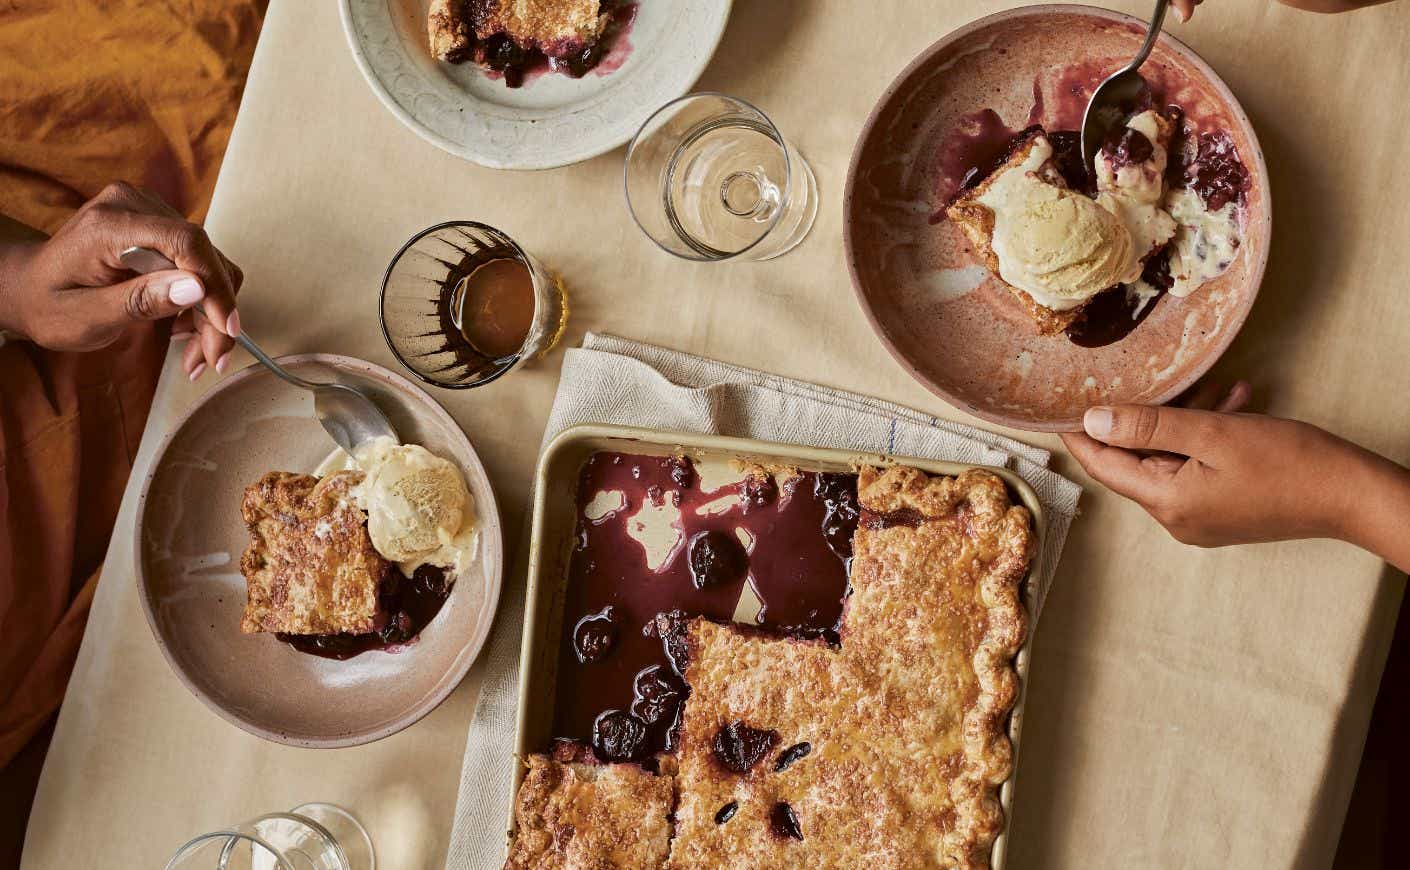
(618,736)
(671,626)
(658,695)
(717,558)
(1126,146)
(595,635)
(1067,158)
(792,754)
(784,821)
(839,496)
(682,471)
(758,491)
(738,747)
(726,812)
(1215,171)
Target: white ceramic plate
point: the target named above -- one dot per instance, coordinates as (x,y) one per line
(551,121)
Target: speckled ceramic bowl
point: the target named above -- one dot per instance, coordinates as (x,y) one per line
(939,312)
(190,536)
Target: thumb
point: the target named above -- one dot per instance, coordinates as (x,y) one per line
(1145,427)
(154,296)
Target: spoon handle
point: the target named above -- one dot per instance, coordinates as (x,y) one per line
(1157,19)
(144,260)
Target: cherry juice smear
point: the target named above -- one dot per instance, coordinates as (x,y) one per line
(791,566)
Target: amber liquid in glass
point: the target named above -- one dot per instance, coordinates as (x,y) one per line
(493,306)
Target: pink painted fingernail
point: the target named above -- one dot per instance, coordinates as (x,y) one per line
(185,291)
(199,370)
(1097,422)
(232,324)
(221,363)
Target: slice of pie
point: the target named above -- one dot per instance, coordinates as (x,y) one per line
(512,36)
(310,568)
(886,750)
(1053,247)
(574,811)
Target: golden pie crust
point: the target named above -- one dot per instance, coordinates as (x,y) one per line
(905,721)
(554,27)
(977,221)
(574,812)
(310,567)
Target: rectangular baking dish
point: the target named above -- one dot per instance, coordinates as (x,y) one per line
(550,542)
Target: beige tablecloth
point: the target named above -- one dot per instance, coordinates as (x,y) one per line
(1186,708)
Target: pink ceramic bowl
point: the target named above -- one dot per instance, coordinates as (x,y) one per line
(942,316)
(190,537)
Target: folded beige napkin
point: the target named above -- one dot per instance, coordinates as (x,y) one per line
(613,380)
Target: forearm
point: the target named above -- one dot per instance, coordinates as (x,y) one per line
(16,241)
(1379,520)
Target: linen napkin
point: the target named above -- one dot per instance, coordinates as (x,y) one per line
(614,380)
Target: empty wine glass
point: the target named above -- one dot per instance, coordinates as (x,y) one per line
(314,836)
(709,177)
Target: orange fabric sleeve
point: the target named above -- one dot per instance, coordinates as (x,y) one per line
(91,91)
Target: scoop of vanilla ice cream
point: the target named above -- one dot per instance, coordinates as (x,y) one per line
(1057,245)
(418,508)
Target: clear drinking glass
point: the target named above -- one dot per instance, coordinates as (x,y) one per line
(463,304)
(709,177)
(314,836)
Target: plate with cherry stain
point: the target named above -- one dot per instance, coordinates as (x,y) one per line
(945,123)
(314,691)
(519,110)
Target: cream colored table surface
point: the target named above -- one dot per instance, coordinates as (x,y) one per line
(1186,708)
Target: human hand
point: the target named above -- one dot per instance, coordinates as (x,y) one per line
(1185,8)
(71,291)
(1219,477)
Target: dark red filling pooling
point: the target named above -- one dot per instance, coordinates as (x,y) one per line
(517,63)
(627,700)
(408,605)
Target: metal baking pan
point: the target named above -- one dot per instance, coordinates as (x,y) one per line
(554,519)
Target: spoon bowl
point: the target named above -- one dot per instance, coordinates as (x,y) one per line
(1111,101)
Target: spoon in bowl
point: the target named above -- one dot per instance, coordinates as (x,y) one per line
(1108,106)
(347,414)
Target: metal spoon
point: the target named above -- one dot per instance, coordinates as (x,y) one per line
(1106,108)
(347,414)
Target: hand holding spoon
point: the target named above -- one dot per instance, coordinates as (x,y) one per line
(347,414)
(1108,106)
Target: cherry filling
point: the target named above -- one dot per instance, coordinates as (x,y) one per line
(500,53)
(409,605)
(659,696)
(619,736)
(623,644)
(792,754)
(758,491)
(595,635)
(737,747)
(838,493)
(1125,146)
(1214,171)
(717,558)
(784,822)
